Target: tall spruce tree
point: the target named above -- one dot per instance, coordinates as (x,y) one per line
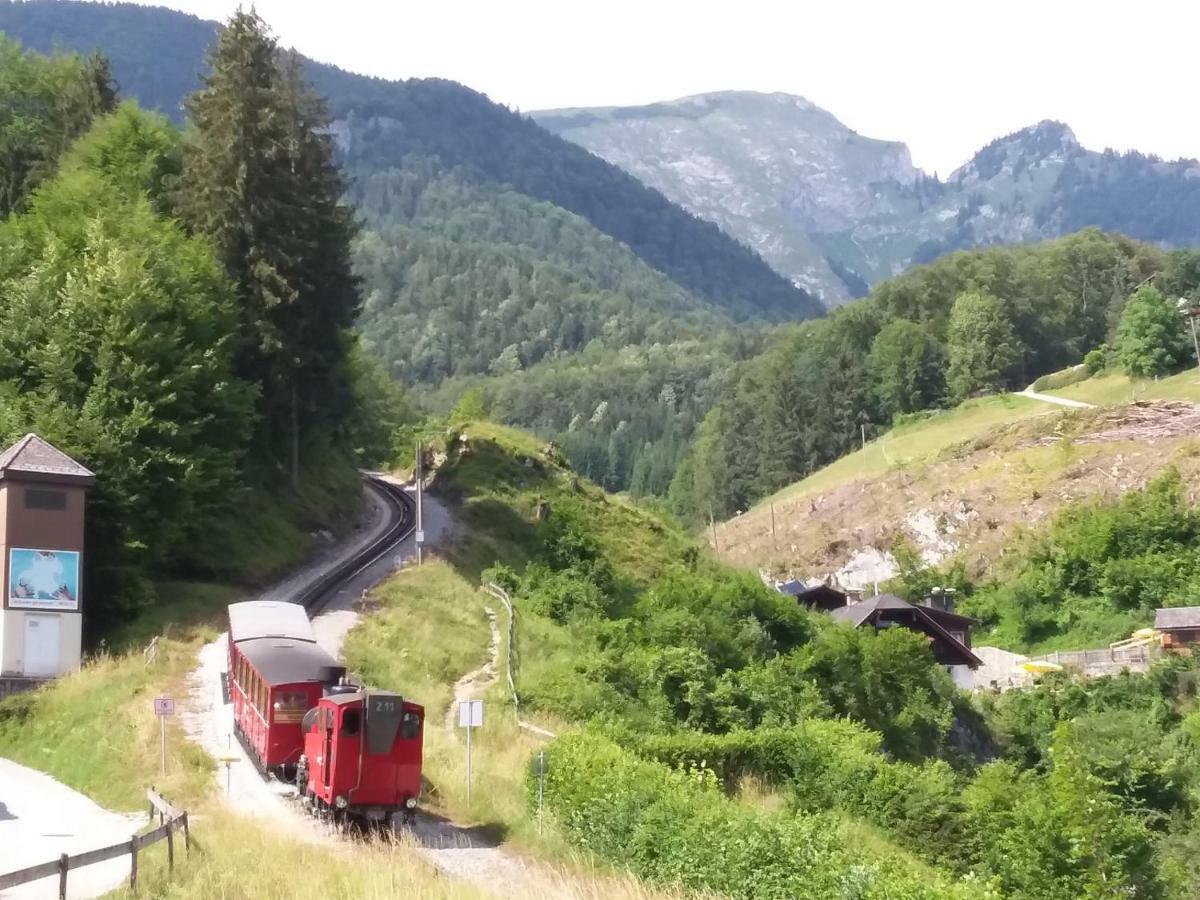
(260,181)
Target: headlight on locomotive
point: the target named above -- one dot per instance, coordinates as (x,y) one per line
(410,803)
(341,802)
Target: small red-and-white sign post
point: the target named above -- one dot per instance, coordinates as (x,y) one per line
(163,707)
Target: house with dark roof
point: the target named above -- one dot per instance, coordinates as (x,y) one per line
(947,632)
(819,597)
(42,496)
(1179,627)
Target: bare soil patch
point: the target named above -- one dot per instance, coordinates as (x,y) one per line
(974,499)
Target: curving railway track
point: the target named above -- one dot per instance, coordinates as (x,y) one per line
(400,506)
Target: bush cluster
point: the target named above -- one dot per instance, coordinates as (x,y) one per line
(674,825)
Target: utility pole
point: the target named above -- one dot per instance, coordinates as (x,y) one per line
(712,523)
(1192,314)
(420,536)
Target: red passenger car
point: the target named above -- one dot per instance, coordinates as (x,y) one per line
(362,756)
(276,674)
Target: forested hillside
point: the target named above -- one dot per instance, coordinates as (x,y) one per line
(973,322)
(176,314)
(156,56)
(490,246)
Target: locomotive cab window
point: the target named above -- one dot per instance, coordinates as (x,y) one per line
(351,722)
(410,726)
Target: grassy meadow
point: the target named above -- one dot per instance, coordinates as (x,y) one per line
(914,442)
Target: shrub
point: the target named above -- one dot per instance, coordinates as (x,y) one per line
(1096,361)
(1150,337)
(674,825)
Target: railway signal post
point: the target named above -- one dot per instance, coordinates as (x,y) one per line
(470,717)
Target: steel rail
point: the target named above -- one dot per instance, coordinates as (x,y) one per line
(314,597)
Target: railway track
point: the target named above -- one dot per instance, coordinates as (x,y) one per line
(403,511)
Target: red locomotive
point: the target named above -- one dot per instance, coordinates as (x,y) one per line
(277,673)
(362,756)
(354,753)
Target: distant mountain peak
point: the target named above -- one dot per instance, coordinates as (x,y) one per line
(1046,142)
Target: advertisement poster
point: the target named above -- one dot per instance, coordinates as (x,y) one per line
(43,579)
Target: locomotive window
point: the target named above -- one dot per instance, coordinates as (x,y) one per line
(351,722)
(311,720)
(410,726)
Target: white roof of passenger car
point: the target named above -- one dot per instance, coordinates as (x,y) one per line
(269,618)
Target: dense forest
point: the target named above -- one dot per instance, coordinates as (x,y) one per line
(490,246)
(177,311)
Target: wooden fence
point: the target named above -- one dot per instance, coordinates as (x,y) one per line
(1135,656)
(170,820)
(513,660)
(502,595)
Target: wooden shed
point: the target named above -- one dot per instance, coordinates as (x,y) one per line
(42,496)
(1179,626)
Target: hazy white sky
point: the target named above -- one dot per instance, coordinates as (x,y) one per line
(944,76)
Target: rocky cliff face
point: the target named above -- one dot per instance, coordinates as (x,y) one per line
(836,212)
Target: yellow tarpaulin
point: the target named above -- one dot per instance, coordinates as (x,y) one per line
(1037,666)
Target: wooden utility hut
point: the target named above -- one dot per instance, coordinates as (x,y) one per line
(43,493)
(888,611)
(1179,627)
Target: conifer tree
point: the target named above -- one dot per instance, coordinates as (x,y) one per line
(260,181)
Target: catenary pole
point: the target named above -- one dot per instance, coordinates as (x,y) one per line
(420,511)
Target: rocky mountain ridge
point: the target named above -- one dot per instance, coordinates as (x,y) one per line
(836,212)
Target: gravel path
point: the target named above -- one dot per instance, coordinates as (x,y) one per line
(41,818)
(1057,401)
(474,683)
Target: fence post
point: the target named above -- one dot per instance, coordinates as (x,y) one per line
(171,846)
(187,835)
(133,852)
(151,802)
(63,862)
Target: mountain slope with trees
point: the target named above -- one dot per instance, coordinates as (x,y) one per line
(838,212)
(156,56)
(986,320)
